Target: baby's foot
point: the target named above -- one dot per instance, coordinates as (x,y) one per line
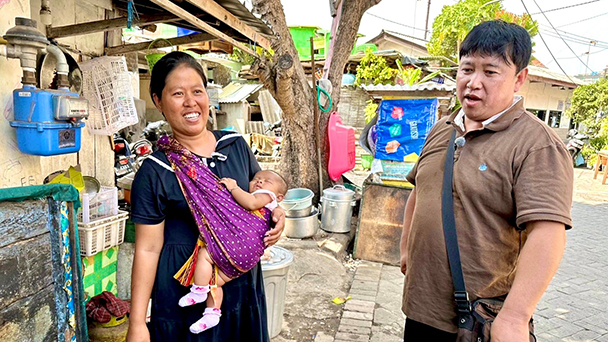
(198,294)
(210,318)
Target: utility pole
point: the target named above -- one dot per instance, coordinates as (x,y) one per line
(426,26)
(588,53)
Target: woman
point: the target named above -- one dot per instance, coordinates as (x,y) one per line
(166,232)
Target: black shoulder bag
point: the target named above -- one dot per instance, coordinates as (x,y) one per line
(474,320)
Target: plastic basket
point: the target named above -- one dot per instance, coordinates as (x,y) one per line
(102,234)
(153,57)
(98,206)
(107,86)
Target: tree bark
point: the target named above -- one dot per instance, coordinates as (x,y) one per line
(283,75)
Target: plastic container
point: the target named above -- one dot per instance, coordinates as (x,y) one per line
(275,273)
(102,234)
(296,199)
(342,155)
(107,86)
(337,204)
(98,206)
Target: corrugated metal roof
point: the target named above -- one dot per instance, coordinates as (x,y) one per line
(427,86)
(551,75)
(235,92)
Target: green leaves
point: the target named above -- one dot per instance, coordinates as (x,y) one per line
(374,70)
(587,105)
(455,21)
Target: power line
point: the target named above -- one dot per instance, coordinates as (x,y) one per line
(575,40)
(580,21)
(397,23)
(573,35)
(561,8)
(560,36)
(590,53)
(547,46)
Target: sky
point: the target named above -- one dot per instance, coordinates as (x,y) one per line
(578,25)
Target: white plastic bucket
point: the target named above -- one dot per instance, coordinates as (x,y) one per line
(296,199)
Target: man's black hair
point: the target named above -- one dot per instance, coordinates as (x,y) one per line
(168,63)
(510,42)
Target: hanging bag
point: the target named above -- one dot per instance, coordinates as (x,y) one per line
(474,319)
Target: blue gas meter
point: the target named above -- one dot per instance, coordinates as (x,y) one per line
(48,122)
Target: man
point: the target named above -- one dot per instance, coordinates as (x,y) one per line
(512,196)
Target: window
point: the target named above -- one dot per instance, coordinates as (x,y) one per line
(541,114)
(554,118)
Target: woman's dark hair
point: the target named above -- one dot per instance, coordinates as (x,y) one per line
(510,42)
(168,63)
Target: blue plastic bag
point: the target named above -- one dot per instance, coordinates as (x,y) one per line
(403,126)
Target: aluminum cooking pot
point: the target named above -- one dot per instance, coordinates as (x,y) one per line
(338,193)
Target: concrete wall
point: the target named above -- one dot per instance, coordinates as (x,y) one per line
(95,156)
(544,96)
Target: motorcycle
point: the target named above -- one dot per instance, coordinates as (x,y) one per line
(575,146)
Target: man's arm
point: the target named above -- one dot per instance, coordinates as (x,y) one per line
(537,265)
(409,212)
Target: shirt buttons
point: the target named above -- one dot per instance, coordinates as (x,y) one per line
(212,164)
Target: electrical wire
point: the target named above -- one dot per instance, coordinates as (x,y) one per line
(590,53)
(397,23)
(561,8)
(577,41)
(580,21)
(574,53)
(547,46)
(579,37)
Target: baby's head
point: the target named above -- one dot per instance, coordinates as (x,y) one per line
(269,180)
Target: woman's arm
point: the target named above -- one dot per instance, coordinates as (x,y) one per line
(148,245)
(273,235)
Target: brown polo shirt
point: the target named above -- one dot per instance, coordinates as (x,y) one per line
(515,170)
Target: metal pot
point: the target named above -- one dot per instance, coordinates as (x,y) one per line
(337,209)
(299,212)
(302,227)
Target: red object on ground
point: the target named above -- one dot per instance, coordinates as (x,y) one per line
(341,147)
(102,307)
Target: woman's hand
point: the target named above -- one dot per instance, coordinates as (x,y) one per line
(273,235)
(229,183)
(138,332)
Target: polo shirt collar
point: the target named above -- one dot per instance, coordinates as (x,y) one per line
(498,122)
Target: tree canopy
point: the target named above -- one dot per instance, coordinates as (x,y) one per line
(455,21)
(589,107)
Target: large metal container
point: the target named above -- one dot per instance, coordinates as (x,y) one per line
(275,272)
(302,227)
(337,209)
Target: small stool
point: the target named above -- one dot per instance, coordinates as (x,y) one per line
(602,159)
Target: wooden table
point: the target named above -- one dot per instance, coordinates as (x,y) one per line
(602,159)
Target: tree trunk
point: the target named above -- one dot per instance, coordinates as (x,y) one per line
(283,75)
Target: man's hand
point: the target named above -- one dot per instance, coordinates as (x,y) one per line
(403,262)
(273,235)
(507,328)
(229,183)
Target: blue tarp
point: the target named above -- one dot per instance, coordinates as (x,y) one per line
(403,125)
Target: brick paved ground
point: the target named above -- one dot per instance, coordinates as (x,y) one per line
(574,308)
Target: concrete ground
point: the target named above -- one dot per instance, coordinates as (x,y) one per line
(574,308)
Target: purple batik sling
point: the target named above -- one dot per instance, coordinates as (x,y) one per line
(233,236)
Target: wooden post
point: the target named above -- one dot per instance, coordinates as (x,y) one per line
(315,107)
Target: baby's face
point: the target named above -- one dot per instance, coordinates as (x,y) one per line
(266,180)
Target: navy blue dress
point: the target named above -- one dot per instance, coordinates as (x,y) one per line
(156,197)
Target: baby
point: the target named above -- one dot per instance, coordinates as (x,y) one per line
(267,188)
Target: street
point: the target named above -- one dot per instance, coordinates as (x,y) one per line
(572,310)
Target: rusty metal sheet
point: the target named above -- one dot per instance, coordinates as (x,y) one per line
(381,220)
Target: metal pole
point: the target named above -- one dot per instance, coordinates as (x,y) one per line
(315,107)
(426,26)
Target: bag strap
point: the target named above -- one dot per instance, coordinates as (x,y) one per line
(463,304)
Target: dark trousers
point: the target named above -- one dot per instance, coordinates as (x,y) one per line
(418,332)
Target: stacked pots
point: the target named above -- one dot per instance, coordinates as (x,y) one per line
(337,204)
(300,217)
